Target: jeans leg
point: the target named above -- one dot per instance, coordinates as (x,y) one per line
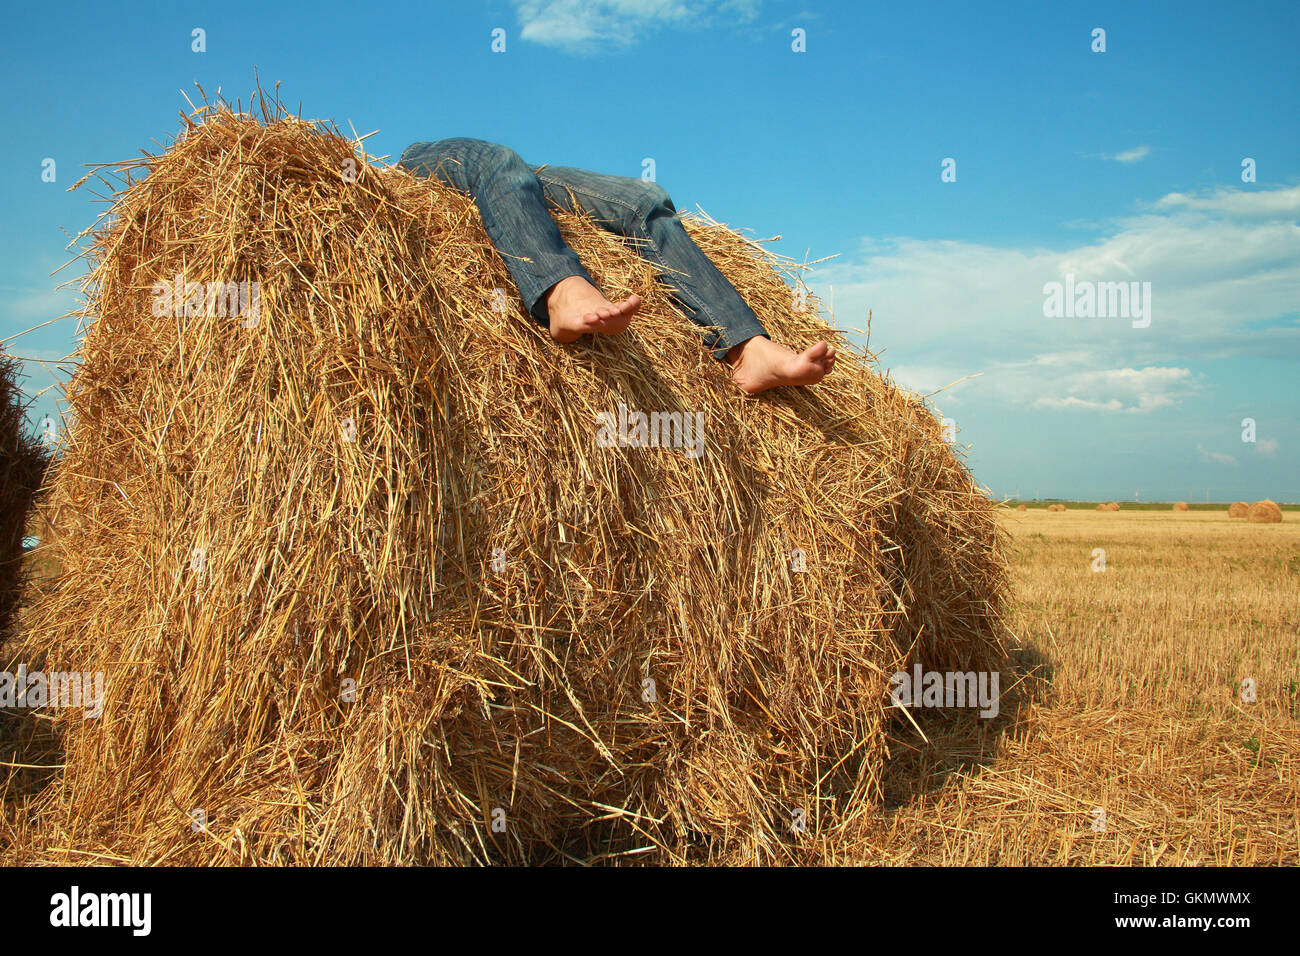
(513,207)
(643,211)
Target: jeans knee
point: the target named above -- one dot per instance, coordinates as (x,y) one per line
(472,156)
(657,197)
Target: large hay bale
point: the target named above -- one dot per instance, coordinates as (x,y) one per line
(1020,508)
(1264,512)
(1238,509)
(23,460)
(1180,506)
(1103,507)
(1113,506)
(559,649)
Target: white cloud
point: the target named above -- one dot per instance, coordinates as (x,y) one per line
(24,308)
(1267,446)
(1224,269)
(1279,204)
(1062,381)
(1083,404)
(1136,154)
(1214,457)
(589,26)
(1121,390)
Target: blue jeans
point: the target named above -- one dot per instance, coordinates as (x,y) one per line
(512,198)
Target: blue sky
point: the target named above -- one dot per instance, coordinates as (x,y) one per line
(1115,166)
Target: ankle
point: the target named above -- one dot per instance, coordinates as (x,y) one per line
(562,287)
(737,352)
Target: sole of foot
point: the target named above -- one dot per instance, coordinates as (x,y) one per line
(577,308)
(759,364)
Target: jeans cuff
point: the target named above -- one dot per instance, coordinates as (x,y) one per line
(722,342)
(537,308)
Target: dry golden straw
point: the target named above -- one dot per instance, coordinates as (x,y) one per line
(1238,509)
(1180,506)
(558,650)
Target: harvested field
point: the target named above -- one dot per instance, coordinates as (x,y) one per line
(1137,708)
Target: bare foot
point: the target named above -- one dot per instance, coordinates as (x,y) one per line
(576,307)
(758,364)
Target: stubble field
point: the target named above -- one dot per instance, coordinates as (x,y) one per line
(1127,741)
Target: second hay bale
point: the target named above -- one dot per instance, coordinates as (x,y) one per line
(1264,512)
(23,461)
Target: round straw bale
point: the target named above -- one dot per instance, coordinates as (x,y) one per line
(1238,509)
(1020,508)
(384,575)
(1264,512)
(1180,506)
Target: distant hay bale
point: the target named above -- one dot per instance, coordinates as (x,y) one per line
(1113,506)
(1264,512)
(1056,507)
(1238,509)
(1180,506)
(23,460)
(365,583)
(1020,508)
(1103,507)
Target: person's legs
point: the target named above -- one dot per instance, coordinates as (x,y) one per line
(558,291)
(513,208)
(644,212)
